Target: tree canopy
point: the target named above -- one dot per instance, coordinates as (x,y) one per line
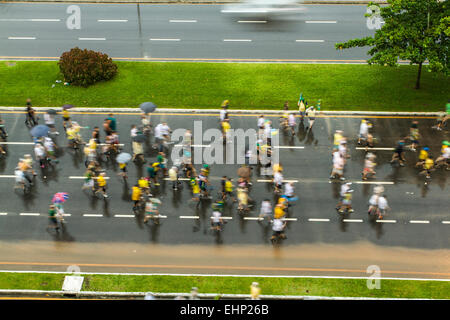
(417,31)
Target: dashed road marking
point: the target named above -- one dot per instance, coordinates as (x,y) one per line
(312,41)
(18,143)
(182,21)
(189,217)
(92,215)
(225,218)
(252,21)
(352,220)
(92,39)
(3,213)
(446,222)
(21,38)
(289,219)
(124,215)
(320,21)
(163,39)
(82,177)
(237,40)
(373,182)
(386,221)
(318,220)
(419,221)
(29,214)
(253,218)
(362,148)
(289,147)
(112,20)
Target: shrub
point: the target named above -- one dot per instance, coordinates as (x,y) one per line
(86,67)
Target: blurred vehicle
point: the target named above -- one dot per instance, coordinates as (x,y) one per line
(264,9)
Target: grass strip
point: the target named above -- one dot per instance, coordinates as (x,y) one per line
(247,86)
(234,285)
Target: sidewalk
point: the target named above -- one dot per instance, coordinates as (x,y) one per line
(195,1)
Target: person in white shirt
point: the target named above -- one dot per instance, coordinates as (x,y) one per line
(278,180)
(268,131)
(261,122)
(344,189)
(49,146)
(382,206)
(216,220)
(40,154)
(278,226)
(373,204)
(338,168)
(311,112)
(289,189)
(20,178)
(343,149)
(49,120)
(173,176)
(363,131)
(291,122)
(223,114)
(266,209)
(134,131)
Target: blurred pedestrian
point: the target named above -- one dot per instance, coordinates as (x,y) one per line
(255,291)
(31,119)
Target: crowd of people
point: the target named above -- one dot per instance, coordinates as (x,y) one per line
(98,154)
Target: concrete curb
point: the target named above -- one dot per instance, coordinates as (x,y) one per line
(231,111)
(312,2)
(186,295)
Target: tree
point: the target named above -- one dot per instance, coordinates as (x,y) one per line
(414,30)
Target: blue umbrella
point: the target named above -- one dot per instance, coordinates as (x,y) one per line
(40,131)
(148,107)
(67,106)
(123,157)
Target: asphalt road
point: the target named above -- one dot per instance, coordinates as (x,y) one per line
(99,231)
(181,32)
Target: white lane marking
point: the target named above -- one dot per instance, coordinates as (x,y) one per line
(182,21)
(7,176)
(320,21)
(252,21)
(3,213)
(124,215)
(31,20)
(267,180)
(373,182)
(179,179)
(92,215)
(362,148)
(18,143)
(446,222)
(189,217)
(224,218)
(163,39)
(104,144)
(309,40)
(419,221)
(83,177)
(160,216)
(29,214)
(253,218)
(195,145)
(386,221)
(289,147)
(21,38)
(352,220)
(318,220)
(92,39)
(289,219)
(237,40)
(112,20)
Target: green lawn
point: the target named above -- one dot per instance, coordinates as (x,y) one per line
(247,86)
(234,285)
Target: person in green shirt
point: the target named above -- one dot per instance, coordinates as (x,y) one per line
(162,160)
(53,222)
(112,122)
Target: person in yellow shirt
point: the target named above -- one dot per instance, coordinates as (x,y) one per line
(428,167)
(136,196)
(423,155)
(226,129)
(101,185)
(255,291)
(144,185)
(279,211)
(66,119)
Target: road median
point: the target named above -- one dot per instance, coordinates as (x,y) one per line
(258,86)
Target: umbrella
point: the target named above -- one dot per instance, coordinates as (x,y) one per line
(446,143)
(123,157)
(154,200)
(139,138)
(148,107)
(39,131)
(51,111)
(244,172)
(60,197)
(67,106)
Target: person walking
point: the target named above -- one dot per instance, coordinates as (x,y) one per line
(53,222)
(49,120)
(31,120)
(383,206)
(311,113)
